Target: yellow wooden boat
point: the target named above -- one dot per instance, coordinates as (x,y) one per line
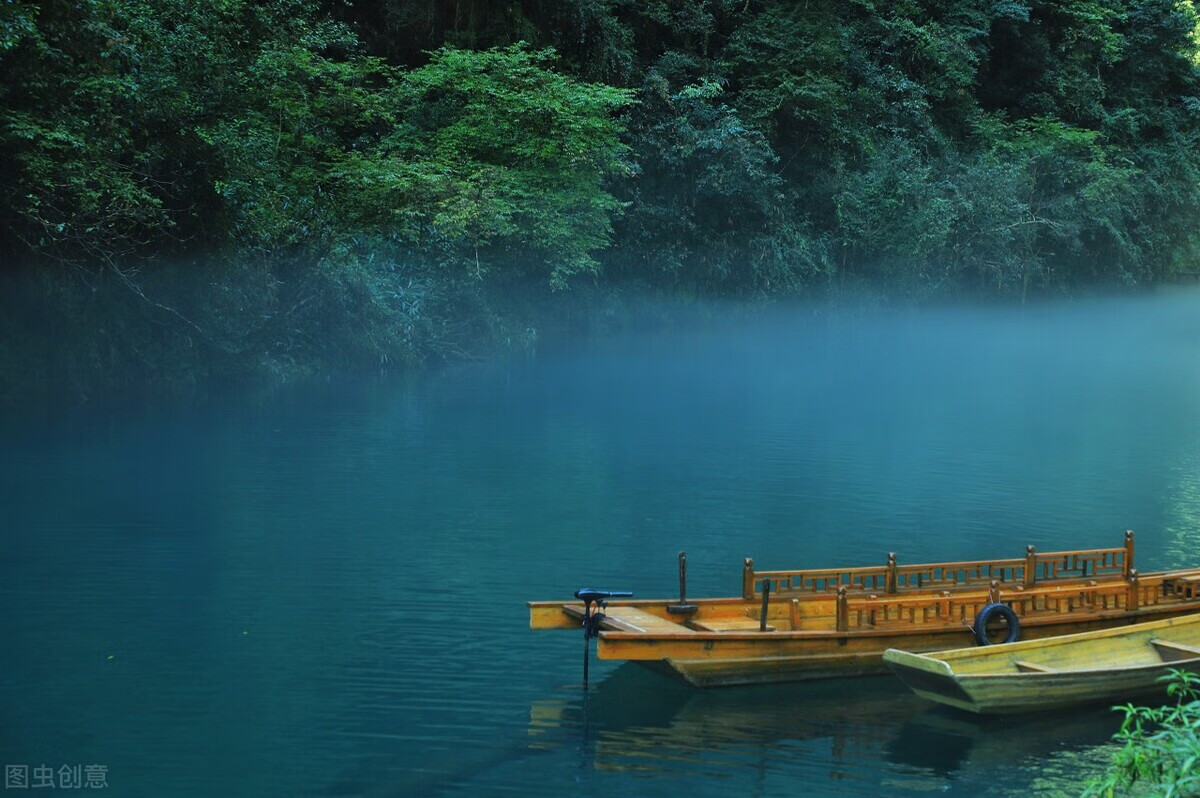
(837,622)
(1086,668)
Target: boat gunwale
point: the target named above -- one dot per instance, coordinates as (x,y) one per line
(1058,673)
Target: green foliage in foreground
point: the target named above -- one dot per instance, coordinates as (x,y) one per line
(1161,751)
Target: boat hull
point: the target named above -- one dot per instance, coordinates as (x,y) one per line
(1109,666)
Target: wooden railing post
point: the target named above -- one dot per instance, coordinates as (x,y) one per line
(891,573)
(766,605)
(1132,599)
(682,608)
(1128,553)
(843,610)
(1030,566)
(994,592)
(748,579)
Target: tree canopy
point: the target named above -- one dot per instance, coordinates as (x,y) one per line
(717,147)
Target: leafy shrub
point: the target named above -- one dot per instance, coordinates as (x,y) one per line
(1161,751)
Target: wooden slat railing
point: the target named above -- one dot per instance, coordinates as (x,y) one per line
(958,574)
(1084,564)
(960,609)
(947,608)
(816,580)
(857,611)
(1029,570)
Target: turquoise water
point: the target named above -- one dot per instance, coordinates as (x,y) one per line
(321,592)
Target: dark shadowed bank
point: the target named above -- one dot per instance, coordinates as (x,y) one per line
(194,193)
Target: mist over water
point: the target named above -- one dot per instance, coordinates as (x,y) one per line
(321,592)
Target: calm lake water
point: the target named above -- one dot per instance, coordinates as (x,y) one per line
(322,592)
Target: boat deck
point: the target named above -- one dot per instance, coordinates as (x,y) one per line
(632,619)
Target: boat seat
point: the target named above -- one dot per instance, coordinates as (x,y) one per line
(1033,667)
(1174,652)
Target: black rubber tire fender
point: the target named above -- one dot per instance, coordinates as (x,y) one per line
(991,612)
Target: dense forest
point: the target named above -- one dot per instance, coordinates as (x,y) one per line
(199,189)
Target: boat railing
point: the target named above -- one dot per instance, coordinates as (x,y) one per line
(946,608)
(952,608)
(1091,596)
(956,574)
(1081,564)
(1131,593)
(815,580)
(1033,568)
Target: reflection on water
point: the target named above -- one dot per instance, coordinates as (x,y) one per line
(838,732)
(633,722)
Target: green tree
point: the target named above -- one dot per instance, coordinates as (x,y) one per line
(709,208)
(496,155)
(111,110)
(78,180)
(287,145)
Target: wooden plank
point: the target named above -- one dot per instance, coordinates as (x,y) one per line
(632,619)
(731,625)
(1173,652)
(1032,667)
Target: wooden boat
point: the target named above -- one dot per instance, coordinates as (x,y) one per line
(1089,667)
(837,622)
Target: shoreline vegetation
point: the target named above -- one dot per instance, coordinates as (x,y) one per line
(1160,750)
(217,190)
